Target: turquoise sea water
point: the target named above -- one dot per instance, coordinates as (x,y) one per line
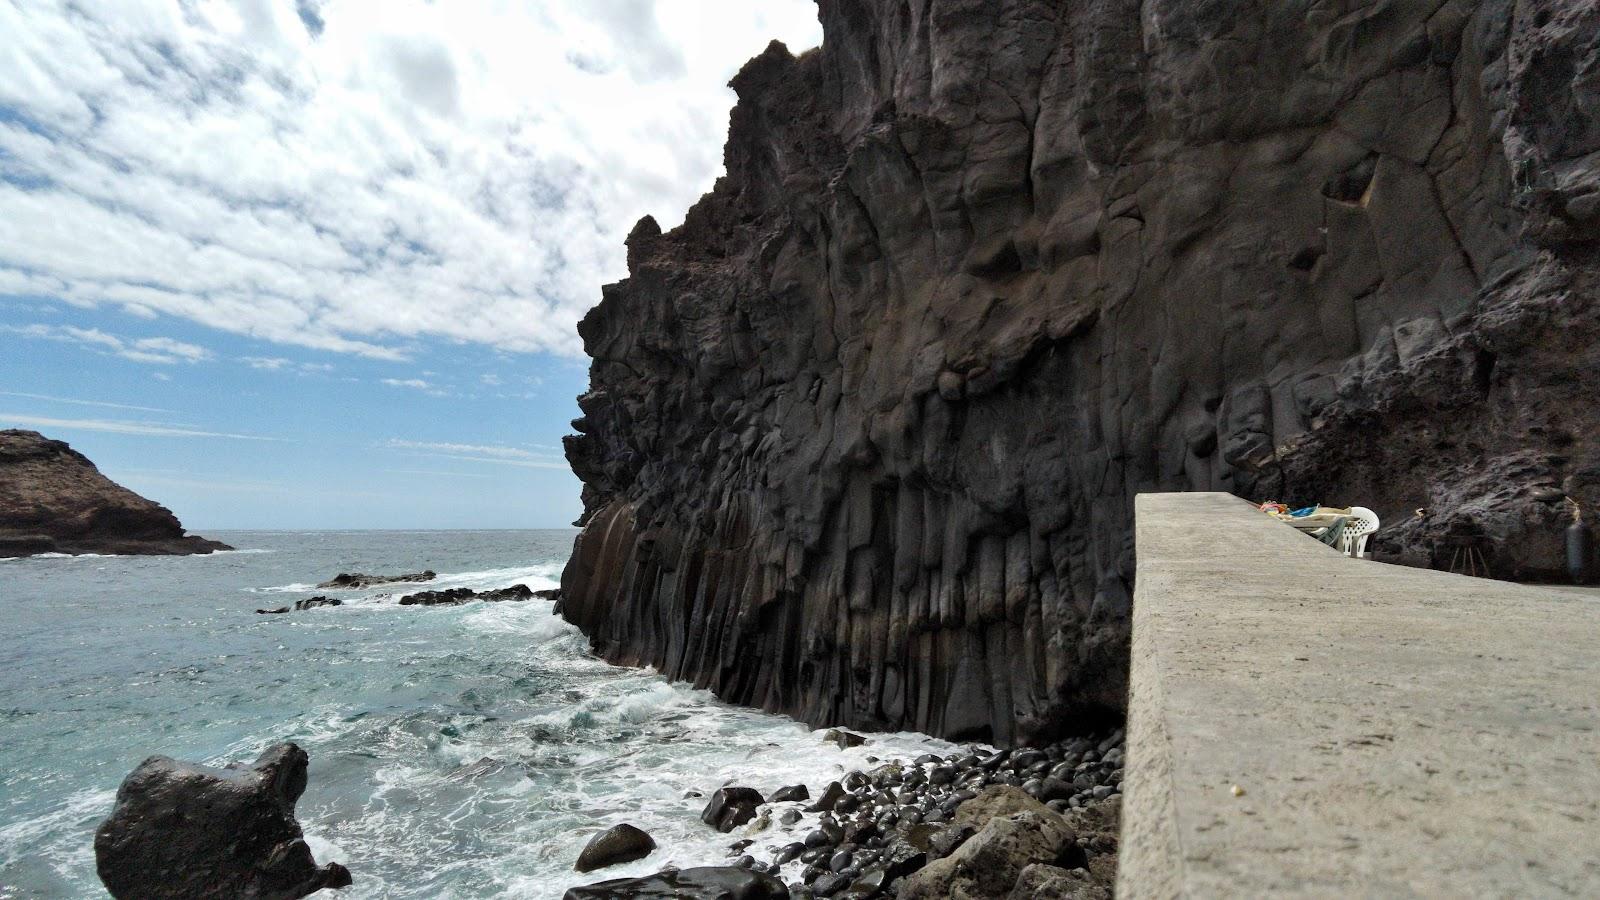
(107,660)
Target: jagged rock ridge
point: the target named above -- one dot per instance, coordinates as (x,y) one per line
(54,500)
(863,433)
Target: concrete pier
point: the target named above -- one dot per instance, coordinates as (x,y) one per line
(1305,724)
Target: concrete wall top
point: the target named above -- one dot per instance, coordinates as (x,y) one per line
(1391,732)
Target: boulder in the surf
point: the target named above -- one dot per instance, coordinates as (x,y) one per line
(614,846)
(731,807)
(181,831)
(708,882)
(791,793)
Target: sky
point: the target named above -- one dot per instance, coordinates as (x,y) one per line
(319,263)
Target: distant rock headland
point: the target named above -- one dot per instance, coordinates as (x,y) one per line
(863,434)
(54,500)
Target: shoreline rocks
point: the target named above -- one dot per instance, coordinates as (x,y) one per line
(54,500)
(979,824)
(614,846)
(181,831)
(354,580)
(731,807)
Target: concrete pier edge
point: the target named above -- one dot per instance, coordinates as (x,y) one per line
(1391,731)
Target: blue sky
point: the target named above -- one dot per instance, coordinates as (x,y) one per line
(318,263)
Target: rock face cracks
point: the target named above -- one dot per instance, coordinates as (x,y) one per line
(863,433)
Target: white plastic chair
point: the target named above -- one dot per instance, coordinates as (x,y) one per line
(1362,522)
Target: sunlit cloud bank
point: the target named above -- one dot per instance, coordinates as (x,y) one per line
(358,176)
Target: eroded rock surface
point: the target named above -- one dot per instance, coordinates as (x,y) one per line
(185,832)
(863,433)
(54,500)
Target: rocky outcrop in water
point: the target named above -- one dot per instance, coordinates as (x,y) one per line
(354,580)
(187,832)
(458,596)
(863,433)
(54,500)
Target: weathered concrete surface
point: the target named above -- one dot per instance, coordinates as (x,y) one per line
(1395,731)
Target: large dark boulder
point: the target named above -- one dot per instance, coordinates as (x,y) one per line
(54,500)
(863,433)
(614,846)
(708,883)
(181,831)
(731,807)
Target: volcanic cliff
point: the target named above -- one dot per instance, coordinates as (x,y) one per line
(863,433)
(54,500)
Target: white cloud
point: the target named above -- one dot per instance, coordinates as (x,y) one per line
(77,402)
(485,453)
(148,429)
(492,380)
(417,383)
(157,350)
(279,364)
(393,171)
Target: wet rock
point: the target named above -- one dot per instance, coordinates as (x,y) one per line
(361,580)
(618,844)
(275,611)
(830,884)
(457,596)
(830,797)
(790,817)
(729,882)
(731,807)
(845,739)
(184,831)
(314,602)
(789,853)
(791,793)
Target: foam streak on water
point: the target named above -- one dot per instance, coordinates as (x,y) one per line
(456,751)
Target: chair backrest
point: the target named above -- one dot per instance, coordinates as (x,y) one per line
(1362,522)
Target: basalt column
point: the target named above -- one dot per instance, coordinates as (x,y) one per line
(863,433)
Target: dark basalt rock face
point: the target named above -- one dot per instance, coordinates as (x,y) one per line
(54,500)
(863,433)
(185,832)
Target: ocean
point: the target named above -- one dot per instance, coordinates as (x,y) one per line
(456,752)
